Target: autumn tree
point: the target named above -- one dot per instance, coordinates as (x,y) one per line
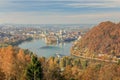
(2,75)
(53,73)
(9,63)
(21,63)
(91,72)
(108,72)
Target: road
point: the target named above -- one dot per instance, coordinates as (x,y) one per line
(109,61)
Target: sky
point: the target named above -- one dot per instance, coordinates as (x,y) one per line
(59,11)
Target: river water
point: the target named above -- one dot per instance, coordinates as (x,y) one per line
(39,47)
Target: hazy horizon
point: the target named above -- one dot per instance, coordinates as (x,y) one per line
(59,11)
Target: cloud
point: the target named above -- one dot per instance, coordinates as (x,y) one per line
(53,5)
(39,18)
(59,11)
(80,5)
(95,4)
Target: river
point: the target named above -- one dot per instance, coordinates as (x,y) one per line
(39,47)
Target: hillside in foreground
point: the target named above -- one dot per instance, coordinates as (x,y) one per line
(101,39)
(19,64)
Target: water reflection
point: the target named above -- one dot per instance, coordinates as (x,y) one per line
(39,47)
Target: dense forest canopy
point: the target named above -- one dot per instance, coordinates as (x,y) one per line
(101,39)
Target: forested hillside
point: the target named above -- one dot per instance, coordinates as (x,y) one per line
(101,39)
(19,64)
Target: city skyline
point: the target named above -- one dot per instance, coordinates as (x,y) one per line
(59,11)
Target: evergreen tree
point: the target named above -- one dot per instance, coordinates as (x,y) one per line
(62,62)
(68,61)
(34,69)
(118,62)
(85,64)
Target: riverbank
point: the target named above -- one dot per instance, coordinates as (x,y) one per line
(16,43)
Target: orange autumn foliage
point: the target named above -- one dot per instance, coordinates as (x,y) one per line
(12,63)
(103,38)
